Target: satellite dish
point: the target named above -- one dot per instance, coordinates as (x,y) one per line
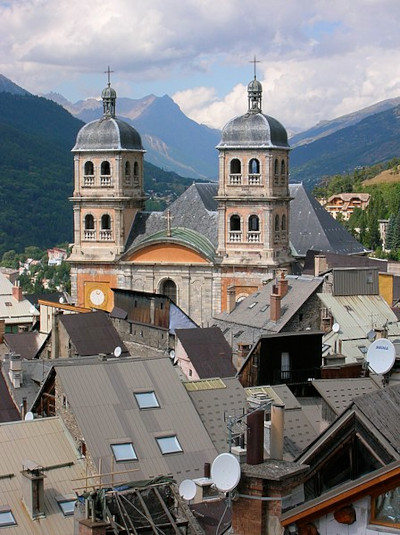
(381,356)
(61,300)
(117,351)
(225,472)
(335,327)
(172,354)
(371,335)
(187,489)
(29,416)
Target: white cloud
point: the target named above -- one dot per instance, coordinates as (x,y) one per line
(319,58)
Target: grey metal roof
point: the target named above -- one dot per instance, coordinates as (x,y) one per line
(107,133)
(8,410)
(253,130)
(339,393)
(101,396)
(215,404)
(251,317)
(312,227)
(92,333)
(195,209)
(208,351)
(45,442)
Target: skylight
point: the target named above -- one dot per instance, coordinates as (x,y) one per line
(169,444)
(7,518)
(124,452)
(67,506)
(253,304)
(147,400)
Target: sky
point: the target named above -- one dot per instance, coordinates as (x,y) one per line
(318,59)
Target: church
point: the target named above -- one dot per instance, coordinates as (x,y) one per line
(216,243)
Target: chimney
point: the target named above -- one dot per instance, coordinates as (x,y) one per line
(275,305)
(255,437)
(283,285)
(15,370)
(320,264)
(231,298)
(17,291)
(23,409)
(277,431)
(33,488)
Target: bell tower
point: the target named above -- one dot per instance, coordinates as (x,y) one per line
(108,193)
(253,199)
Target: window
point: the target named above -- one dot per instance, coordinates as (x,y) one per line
(283,223)
(105,168)
(169,444)
(7,518)
(105,222)
(67,505)
(89,222)
(276,226)
(89,169)
(127,169)
(283,168)
(276,167)
(254,166)
(386,508)
(124,452)
(234,223)
(147,400)
(254,223)
(168,288)
(136,169)
(236,166)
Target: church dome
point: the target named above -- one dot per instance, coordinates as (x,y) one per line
(108,133)
(254,129)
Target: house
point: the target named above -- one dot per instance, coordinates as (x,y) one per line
(16,312)
(40,471)
(345,204)
(287,304)
(56,256)
(203,353)
(132,418)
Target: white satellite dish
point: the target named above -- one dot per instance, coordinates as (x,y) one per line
(336,327)
(187,489)
(225,472)
(29,416)
(117,351)
(381,355)
(172,354)
(61,300)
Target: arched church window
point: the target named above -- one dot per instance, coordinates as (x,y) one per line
(89,222)
(254,166)
(254,223)
(276,229)
(283,168)
(236,166)
(89,168)
(127,168)
(105,168)
(105,222)
(276,223)
(234,223)
(283,223)
(276,167)
(168,288)
(136,171)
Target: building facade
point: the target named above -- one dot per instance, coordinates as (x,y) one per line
(214,240)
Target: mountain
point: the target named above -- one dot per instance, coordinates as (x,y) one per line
(7,86)
(172,140)
(36,171)
(373,139)
(325,128)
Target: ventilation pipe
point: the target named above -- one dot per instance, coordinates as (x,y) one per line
(255,437)
(277,431)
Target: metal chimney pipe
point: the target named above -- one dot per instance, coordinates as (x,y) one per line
(277,431)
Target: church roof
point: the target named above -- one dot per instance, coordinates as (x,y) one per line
(107,133)
(253,130)
(312,227)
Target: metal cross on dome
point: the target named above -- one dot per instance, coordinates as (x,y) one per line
(108,72)
(254,62)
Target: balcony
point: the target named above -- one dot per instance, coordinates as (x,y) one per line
(253,237)
(88,181)
(105,181)
(89,235)
(235,180)
(235,237)
(105,235)
(254,179)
